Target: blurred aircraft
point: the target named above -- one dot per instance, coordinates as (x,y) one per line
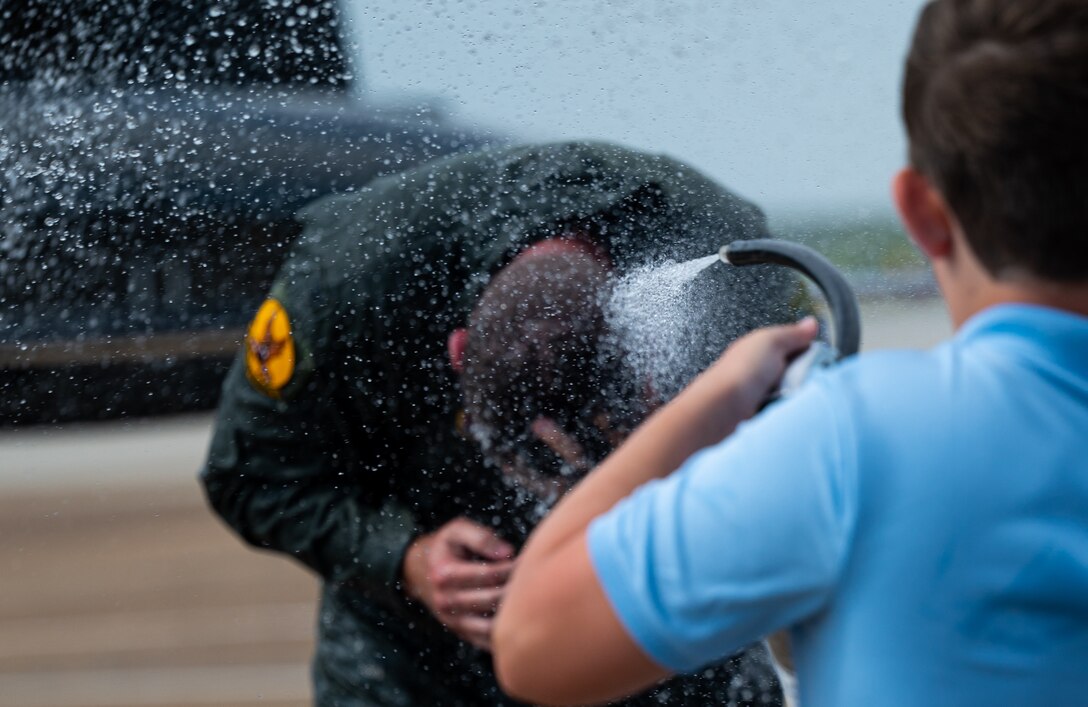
(152,155)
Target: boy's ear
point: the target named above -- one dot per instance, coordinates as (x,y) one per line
(924,213)
(455,348)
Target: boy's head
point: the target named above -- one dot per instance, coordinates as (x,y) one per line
(995,100)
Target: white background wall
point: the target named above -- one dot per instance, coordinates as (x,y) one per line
(792,103)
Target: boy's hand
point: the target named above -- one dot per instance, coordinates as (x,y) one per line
(753,366)
(459,572)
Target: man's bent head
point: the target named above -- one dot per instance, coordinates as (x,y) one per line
(533,351)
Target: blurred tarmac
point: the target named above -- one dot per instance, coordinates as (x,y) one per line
(121,589)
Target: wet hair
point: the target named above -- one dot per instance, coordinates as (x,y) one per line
(536,348)
(995,101)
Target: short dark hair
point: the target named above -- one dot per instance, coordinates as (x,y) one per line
(535,349)
(995,101)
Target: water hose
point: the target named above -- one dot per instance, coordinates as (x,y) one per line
(841,300)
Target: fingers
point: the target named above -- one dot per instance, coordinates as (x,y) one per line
(783,340)
(466,596)
(544,487)
(753,365)
(472,574)
(460,572)
(470,614)
(611,432)
(480,602)
(794,338)
(473,629)
(565,446)
(772,346)
(472,540)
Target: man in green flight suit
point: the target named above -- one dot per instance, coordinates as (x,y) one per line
(342,439)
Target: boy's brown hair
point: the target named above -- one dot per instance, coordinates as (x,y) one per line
(995,100)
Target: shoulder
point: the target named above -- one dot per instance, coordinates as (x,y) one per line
(840,410)
(889,381)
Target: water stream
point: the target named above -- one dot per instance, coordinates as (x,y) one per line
(653,315)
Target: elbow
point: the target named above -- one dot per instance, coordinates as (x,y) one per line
(521,674)
(231,498)
(220,491)
(545,643)
(528,670)
(507,652)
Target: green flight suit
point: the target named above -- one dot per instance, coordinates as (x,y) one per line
(357,452)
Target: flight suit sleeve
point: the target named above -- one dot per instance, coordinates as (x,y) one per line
(280,470)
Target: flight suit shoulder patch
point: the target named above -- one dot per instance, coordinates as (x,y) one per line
(270,349)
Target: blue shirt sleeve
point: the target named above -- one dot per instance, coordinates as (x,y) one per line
(746,538)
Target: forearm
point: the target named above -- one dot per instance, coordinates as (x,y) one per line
(556,611)
(325,528)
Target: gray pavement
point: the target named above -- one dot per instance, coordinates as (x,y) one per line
(104,454)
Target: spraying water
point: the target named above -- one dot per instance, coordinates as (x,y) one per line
(653,315)
(152,159)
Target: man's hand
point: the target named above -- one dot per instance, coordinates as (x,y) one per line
(459,572)
(550,488)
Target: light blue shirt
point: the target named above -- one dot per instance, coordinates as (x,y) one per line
(919,518)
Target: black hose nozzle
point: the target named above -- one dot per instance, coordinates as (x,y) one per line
(846,320)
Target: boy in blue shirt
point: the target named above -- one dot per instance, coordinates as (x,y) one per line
(917,520)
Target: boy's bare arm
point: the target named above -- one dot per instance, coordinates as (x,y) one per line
(541,643)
